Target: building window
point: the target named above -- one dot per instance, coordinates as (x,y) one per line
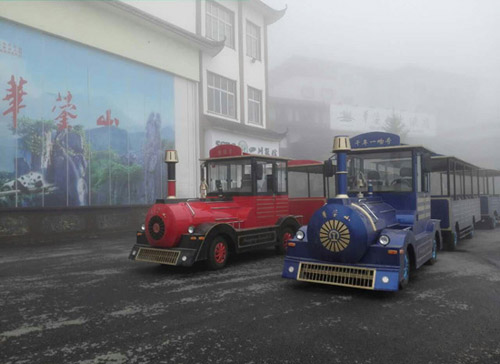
(254,106)
(220,23)
(221,95)
(253,41)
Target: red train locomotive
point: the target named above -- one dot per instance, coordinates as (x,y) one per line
(244,206)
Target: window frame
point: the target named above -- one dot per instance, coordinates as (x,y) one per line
(209,16)
(253,39)
(254,102)
(213,89)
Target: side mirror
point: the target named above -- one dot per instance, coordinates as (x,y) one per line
(328,169)
(259,171)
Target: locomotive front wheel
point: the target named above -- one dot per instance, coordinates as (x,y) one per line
(405,279)
(284,237)
(218,253)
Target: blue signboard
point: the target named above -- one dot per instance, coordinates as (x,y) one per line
(79,126)
(375,139)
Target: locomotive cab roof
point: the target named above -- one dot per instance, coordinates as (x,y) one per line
(229,151)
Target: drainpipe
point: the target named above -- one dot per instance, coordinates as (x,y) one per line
(171,159)
(341,145)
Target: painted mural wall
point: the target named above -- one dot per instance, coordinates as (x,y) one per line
(79,127)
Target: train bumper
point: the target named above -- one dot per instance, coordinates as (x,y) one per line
(168,256)
(371,277)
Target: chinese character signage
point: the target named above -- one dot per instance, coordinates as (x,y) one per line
(375,140)
(78,126)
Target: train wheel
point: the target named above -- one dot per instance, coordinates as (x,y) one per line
(405,279)
(285,236)
(492,223)
(451,240)
(218,253)
(470,235)
(433,259)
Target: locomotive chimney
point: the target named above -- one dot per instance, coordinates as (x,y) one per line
(341,145)
(171,159)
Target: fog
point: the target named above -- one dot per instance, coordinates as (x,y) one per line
(436,57)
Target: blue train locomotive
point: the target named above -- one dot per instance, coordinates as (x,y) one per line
(378,227)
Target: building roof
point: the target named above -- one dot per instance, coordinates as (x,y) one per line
(206,45)
(271,15)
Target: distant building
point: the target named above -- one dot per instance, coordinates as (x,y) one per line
(362,99)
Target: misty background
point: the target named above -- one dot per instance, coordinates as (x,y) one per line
(437,58)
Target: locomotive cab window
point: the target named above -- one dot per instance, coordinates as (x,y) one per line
(229,177)
(271,177)
(386,172)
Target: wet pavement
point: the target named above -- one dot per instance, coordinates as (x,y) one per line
(85,302)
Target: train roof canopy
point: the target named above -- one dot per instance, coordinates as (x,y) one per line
(439,163)
(489,172)
(305,166)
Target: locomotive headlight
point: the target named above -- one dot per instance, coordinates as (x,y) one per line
(143,227)
(191,229)
(300,235)
(384,240)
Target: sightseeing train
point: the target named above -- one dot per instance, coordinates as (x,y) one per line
(244,205)
(378,227)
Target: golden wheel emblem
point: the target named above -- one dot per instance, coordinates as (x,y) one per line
(334,235)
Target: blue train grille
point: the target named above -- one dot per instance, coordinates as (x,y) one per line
(337,275)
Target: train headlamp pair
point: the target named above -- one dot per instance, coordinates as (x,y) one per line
(384,240)
(300,235)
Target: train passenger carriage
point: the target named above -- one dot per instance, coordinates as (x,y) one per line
(455,198)
(490,200)
(244,206)
(378,227)
(308,187)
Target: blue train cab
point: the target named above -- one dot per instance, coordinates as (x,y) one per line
(490,200)
(378,228)
(455,198)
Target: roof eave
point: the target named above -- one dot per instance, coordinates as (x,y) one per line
(207,46)
(271,15)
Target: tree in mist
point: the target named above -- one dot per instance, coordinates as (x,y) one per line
(394,124)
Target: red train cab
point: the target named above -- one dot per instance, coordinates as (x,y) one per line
(244,205)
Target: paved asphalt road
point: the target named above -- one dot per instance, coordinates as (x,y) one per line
(84,302)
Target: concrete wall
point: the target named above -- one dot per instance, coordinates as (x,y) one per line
(187,140)
(108,28)
(180,13)
(254,71)
(63,224)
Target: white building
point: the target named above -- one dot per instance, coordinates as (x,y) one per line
(233,86)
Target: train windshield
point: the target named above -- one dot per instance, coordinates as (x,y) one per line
(229,177)
(385,171)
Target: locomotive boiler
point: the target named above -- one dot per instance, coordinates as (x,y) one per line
(244,205)
(378,227)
